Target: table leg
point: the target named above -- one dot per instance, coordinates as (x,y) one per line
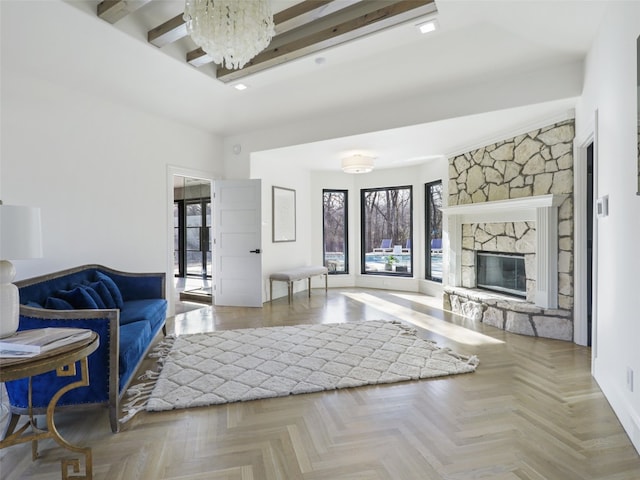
(86,451)
(20,436)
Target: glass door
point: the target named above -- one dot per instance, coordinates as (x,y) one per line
(192,228)
(198,238)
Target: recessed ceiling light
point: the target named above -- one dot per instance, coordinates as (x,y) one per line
(428,26)
(240,86)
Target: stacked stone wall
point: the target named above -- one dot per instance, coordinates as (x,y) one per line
(537,163)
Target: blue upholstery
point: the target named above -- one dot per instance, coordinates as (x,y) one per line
(134,339)
(150,310)
(104,293)
(112,287)
(77,298)
(54,303)
(83,293)
(94,295)
(386,243)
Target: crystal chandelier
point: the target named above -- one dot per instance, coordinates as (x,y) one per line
(230,31)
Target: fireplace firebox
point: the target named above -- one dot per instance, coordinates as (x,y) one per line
(501,272)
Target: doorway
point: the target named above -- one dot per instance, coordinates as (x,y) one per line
(192,245)
(589,270)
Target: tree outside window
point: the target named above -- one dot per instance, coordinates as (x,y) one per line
(387,231)
(334,205)
(433,233)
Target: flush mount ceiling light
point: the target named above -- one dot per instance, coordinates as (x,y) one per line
(428,26)
(231,32)
(357,164)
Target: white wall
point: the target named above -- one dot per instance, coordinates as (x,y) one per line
(308,249)
(610,89)
(98,170)
(283,255)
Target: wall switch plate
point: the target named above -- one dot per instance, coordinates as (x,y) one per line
(602,206)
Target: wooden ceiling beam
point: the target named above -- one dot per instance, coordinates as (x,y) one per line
(298,10)
(168,32)
(176,28)
(285,20)
(113,10)
(390,14)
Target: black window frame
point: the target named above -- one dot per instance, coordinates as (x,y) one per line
(204,237)
(346,230)
(428,234)
(363,231)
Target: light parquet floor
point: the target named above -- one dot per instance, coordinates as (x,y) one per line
(530,411)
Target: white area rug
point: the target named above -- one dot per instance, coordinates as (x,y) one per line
(239,365)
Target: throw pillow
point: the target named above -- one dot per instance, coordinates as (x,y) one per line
(112,287)
(96,297)
(54,303)
(77,297)
(104,293)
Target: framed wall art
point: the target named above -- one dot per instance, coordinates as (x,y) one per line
(283,214)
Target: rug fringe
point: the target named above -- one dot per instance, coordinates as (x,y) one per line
(138,395)
(407,329)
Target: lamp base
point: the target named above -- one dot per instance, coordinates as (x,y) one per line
(9,300)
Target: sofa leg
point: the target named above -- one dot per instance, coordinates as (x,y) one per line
(11,425)
(164,329)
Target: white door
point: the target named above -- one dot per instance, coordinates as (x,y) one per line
(237,243)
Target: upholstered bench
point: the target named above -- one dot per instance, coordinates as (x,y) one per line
(300,273)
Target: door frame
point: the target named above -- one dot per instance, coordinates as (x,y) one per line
(582,141)
(173,170)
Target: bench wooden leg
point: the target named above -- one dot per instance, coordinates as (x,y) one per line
(309,284)
(270,290)
(289,291)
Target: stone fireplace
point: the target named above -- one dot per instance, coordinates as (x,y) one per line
(515,197)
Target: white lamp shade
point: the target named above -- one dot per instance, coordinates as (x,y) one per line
(20,232)
(357,164)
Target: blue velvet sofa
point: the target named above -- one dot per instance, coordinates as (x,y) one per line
(126,310)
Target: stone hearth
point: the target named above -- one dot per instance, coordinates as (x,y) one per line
(509,313)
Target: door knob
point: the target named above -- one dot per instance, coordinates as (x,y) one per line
(257,250)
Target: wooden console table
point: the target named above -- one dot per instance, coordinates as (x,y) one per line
(63,361)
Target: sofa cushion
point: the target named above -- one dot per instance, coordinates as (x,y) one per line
(152,310)
(112,287)
(134,340)
(77,297)
(54,303)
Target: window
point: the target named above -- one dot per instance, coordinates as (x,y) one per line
(387,218)
(433,234)
(334,233)
(192,238)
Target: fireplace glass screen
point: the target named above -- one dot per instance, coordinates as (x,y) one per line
(501,272)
